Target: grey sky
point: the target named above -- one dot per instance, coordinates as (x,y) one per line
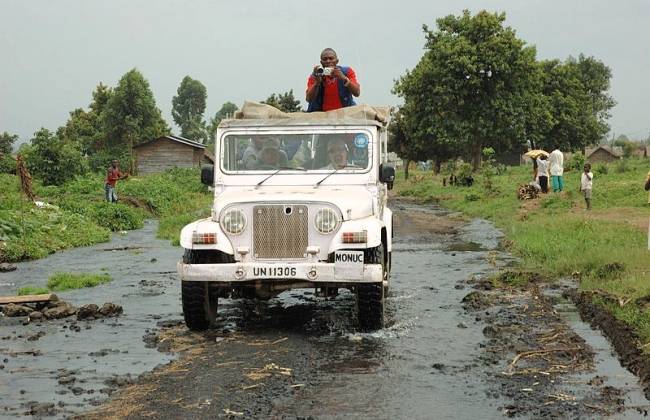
(54,53)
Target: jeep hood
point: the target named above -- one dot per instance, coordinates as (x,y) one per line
(355,202)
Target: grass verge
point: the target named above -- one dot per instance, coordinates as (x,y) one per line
(59,282)
(77,215)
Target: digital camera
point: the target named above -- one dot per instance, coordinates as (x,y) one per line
(324,71)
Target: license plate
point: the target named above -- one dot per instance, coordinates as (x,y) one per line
(348,264)
(274,272)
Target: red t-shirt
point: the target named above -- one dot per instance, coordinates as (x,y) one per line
(331,98)
(112,176)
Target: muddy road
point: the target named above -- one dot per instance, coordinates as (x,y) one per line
(453,346)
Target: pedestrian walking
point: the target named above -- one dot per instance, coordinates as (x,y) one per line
(112,176)
(586,182)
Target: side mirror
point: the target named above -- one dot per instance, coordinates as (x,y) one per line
(387,175)
(207,175)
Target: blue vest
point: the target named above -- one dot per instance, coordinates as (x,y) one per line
(344,94)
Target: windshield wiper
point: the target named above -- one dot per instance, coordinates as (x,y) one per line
(335,171)
(282,168)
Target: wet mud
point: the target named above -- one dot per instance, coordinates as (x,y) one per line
(454,345)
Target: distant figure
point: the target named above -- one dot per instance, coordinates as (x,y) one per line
(556,167)
(586,182)
(331,86)
(542,173)
(112,176)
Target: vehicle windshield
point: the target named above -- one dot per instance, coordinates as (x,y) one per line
(264,152)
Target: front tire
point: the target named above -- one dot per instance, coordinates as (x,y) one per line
(370,297)
(199,301)
(199,306)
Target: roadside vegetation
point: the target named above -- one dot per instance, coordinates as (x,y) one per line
(606,249)
(59,282)
(75,213)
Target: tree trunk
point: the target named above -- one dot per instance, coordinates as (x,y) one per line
(476,156)
(406,162)
(436,166)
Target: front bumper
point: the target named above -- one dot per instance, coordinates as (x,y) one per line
(310,272)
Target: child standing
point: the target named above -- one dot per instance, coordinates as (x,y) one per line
(586,184)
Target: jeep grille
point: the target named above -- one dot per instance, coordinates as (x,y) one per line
(280,231)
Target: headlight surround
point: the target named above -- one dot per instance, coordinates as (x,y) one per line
(326,221)
(234,222)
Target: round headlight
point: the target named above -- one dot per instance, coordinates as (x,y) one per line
(326,220)
(234,222)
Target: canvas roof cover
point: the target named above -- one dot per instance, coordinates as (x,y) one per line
(258,114)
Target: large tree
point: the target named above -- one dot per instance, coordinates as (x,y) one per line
(474,83)
(131,116)
(188,107)
(578,93)
(284,101)
(227,111)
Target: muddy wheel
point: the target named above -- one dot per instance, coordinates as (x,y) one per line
(199,302)
(370,297)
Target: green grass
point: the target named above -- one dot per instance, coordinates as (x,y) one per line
(554,236)
(67,281)
(32,290)
(81,217)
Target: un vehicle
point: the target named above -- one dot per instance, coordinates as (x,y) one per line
(300,201)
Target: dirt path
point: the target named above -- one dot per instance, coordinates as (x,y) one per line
(454,347)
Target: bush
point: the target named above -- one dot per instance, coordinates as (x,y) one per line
(472,197)
(622,166)
(601,169)
(7,164)
(53,160)
(577,161)
(117,216)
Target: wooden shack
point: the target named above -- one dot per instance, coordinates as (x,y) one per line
(603,154)
(168,152)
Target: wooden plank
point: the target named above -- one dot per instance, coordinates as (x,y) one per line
(47,297)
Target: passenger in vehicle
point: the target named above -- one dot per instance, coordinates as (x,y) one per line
(270,156)
(337,153)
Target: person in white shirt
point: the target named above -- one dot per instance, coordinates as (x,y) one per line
(586,182)
(542,173)
(556,167)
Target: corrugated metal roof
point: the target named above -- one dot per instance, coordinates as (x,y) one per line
(176,139)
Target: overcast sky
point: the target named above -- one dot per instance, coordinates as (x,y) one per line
(54,53)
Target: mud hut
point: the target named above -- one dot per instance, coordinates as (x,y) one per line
(603,154)
(168,152)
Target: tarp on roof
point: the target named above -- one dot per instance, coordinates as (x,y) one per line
(258,111)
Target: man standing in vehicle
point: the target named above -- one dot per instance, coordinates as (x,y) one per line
(331,86)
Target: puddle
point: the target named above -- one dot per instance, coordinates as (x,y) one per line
(608,371)
(91,352)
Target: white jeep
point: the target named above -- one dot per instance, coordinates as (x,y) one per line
(300,201)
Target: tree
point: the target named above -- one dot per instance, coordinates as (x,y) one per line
(52,159)
(474,84)
(580,104)
(284,101)
(6,143)
(131,116)
(188,108)
(227,111)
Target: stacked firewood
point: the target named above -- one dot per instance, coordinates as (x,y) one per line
(527,192)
